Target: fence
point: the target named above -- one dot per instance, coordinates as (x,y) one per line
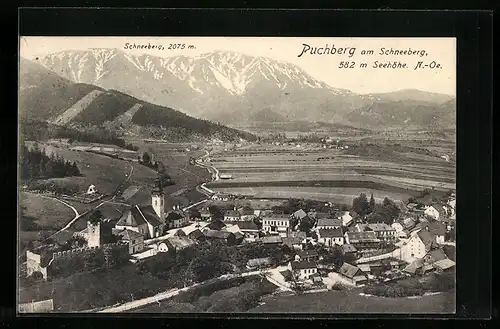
(42,306)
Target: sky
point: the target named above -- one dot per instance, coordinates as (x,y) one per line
(324,67)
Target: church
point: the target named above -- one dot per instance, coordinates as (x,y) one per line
(148,220)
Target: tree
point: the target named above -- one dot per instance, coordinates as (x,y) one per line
(146,158)
(372,203)
(95,217)
(215,212)
(360,205)
(306,224)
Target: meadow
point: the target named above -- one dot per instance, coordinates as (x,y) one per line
(273,171)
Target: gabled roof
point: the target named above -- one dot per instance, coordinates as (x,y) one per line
(349,270)
(369,236)
(297,234)
(272,239)
(303,265)
(414,266)
(329,222)
(129,235)
(307,253)
(444,264)
(380,227)
(232,213)
(247,226)
(150,215)
(131,218)
(428,239)
(437,255)
(196,234)
(216,225)
(217,234)
(290,241)
(260,261)
(179,241)
(408,223)
(330,233)
(300,214)
(348,248)
(173,215)
(436,228)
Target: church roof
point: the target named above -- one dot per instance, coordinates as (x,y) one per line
(150,215)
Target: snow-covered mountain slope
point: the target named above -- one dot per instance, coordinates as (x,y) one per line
(223,86)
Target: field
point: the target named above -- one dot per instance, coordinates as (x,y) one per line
(310,171)
(49,214)
(352,302)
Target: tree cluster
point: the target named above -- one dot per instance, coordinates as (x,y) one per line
(36,164)
(373,212)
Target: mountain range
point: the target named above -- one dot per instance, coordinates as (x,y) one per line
(234,89)
(48,101)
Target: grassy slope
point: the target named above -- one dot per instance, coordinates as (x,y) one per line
(50,214)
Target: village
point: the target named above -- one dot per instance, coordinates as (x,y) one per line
(326,247)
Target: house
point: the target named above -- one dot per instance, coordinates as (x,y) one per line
(232,216)
(365,268)
(307,256)
(176,219)
(271,240)
(444,265)
(419,244)
(134,240)
(435,255)
(215,225)
(303,270)
(276,225)
(362,240)
(226,237)
(349,250)
(432,212)
(438,229)
(196,235)
(400,233)
(205,215)
(353,274)
(246,214)
(382,231)
(178,242)
(346,219)
(293,243)
(330,237)
(328,224)
(258,263)
(249,229)
(299,214)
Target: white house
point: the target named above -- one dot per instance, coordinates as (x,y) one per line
(276,225)
(419,244)
(432,212)
(303,270)
(330,237)
(346,219)
(91,189)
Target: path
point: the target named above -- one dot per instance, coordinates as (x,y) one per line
(166,295)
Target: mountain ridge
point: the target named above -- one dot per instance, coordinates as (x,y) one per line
(225,86)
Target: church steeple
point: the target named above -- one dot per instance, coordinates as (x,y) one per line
(158,200)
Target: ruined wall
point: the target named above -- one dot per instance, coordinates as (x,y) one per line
(42,306)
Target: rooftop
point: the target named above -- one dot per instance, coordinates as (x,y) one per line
(329,222)
(303,265)
(179,242)
(272,239)
(330,233)
(369,236)
(349,270)
(444,264)
(130,235)
(217,234)
(348,248)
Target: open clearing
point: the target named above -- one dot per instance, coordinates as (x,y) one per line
(49,214)
(351,302)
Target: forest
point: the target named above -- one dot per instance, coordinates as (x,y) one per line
(34,164)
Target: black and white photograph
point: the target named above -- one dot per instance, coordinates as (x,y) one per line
(238,175)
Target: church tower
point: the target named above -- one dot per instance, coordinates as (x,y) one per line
(158,200)
(94,236)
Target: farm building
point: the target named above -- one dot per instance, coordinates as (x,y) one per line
(419,244)
(293,243)
(232,216)
(346,219)
(176,219)
(271,240)
(299,214)
(353,274)
(349,249)
(444,265)
(134,240)
(438,229)
(362,240)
